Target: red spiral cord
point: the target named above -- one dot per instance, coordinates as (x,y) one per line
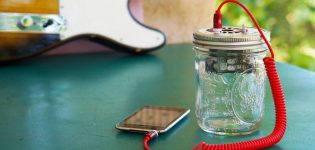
(281,121)
(277,92)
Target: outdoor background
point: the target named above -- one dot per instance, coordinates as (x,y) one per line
(292,23)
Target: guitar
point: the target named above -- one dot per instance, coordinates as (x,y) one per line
(32,27)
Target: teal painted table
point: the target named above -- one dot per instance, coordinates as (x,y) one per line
(74,102)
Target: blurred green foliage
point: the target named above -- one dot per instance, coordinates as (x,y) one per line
(291,22)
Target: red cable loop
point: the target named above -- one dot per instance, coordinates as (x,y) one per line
(218,11)
(278,96)
(277,93)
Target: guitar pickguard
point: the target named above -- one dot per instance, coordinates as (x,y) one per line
(109,19)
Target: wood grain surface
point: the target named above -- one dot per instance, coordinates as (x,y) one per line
(30,6)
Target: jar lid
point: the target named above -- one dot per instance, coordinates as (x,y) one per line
(231,38)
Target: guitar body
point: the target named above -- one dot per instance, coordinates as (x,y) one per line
(16,45)
(32,27)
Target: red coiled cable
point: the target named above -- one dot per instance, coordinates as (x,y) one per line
(277,92)
(281,121)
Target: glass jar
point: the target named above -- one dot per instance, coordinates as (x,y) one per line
(231,80)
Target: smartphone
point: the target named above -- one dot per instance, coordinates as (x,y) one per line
(150,118)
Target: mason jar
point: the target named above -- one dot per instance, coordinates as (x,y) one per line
(231,79)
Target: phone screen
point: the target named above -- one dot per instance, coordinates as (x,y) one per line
(153,118)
